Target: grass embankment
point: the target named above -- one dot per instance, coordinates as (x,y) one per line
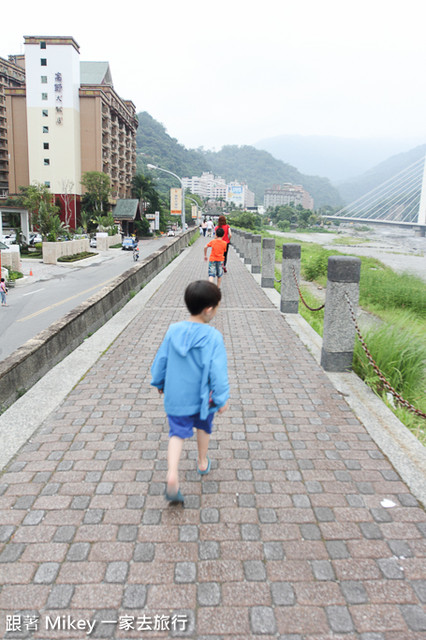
(397,345)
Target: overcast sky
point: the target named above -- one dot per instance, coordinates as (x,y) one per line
(234,72)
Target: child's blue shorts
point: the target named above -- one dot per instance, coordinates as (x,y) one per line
(215,269)
(183,426)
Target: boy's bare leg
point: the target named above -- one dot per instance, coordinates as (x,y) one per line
(211,279)
(173,456)
(203,440)
(219,280)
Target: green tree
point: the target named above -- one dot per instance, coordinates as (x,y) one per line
(98,191)
(84,220)
(143,188)
(44,214)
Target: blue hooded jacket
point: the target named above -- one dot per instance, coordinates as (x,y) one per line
(191,368)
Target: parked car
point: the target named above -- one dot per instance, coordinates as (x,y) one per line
(34,238)
(129,244)
(93,243)
(170,232)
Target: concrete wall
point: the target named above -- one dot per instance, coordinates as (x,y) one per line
(54,250)
(103,243)
(30,362)
(11,258)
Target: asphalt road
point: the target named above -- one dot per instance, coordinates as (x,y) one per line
(54,290)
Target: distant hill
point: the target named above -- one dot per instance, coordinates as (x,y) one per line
(258,168)
(337,158)
(261,171)
(352,189)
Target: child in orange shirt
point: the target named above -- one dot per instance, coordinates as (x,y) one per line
(218,248)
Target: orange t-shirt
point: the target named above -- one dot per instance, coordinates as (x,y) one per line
(218,250)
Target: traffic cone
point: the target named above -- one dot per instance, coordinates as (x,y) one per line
(31,272)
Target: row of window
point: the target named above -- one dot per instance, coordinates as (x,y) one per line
(45,114)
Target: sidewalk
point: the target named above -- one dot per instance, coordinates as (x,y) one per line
(302,529)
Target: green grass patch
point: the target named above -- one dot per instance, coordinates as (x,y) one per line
(400,354)
(15,275)
(348,240)
(34,255)
(398,346)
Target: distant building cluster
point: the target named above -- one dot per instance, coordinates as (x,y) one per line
(216,188)
(289,194)
(59,118)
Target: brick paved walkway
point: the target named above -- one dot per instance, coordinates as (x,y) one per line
(287,537)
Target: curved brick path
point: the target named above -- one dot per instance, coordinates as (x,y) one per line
(285,538)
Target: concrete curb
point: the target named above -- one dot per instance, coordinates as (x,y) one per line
(401,447)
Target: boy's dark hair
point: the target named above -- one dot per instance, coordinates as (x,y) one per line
(201,294)
(220,232)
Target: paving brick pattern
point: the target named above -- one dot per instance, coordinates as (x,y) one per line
(285,538)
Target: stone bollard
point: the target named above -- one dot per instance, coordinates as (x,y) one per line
(242,244)
(268,263)
(289,291)
(339,331)
(256,253)
(236,239)
(247,252)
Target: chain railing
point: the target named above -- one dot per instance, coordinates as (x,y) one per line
(301,296)
(386,384)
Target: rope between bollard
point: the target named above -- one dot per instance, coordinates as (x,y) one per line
(382,378)
(301,297)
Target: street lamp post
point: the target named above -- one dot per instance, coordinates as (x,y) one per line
(153,166)
(197,205)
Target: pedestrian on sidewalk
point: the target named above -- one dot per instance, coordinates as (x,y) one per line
(3,292)
(221,224)
(210,227)
(190,369)
(204,227)
(218,248)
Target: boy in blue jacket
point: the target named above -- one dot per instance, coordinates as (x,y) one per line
(190,368)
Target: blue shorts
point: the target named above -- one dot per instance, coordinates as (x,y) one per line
(183,426)
(215,269)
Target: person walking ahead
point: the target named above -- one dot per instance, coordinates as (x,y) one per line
(3,292)
(218,248)
(190,369)
(227,237)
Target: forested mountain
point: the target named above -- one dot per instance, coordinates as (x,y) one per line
(261,171)
(258,168)
(351,190)
(155,146)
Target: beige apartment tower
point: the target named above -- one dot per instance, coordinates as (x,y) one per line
(66,120)
(11,75)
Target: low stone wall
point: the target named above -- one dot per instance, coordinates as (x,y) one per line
(103,243)
(54,250)
(11,258)
(30,362)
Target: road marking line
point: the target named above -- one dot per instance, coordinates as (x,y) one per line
(31,292)
(58,304)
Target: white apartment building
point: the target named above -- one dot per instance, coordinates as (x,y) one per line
(239,194)
(53,112)
(207,185)
(210,186)
(287,193)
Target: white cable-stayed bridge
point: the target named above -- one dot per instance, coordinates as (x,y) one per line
(399,200)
